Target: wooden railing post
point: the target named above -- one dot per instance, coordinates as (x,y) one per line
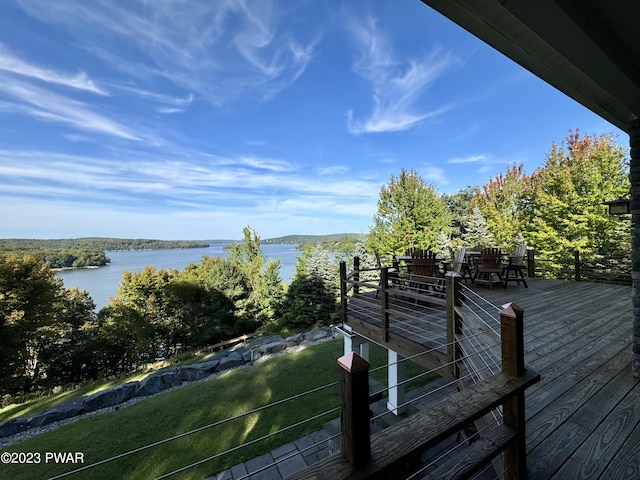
(343,292)
(384,302)
(452,285)
(531,263)
(576,264)
(356,274)
(354,420)
(512,333)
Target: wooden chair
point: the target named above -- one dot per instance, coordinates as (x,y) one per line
(489,268)
(424,270)
(460,264)
(424,262)
(516,265)
(393,273)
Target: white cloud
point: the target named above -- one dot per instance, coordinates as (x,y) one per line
(475,158)
(334,170)
(169,110)
(12,64)
(396,84)
(199,182)
(221,51)
(47,105)
(435,174)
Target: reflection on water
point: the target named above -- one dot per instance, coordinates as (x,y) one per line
(102,283)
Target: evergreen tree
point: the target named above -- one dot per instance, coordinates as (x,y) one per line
(265,287)
(477,231)
(410,214)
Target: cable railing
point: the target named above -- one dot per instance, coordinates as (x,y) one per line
(244,445)
(212,425)
(469,333)
(252,412)
(488,368)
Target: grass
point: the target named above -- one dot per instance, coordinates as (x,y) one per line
(40,404)
(197,405)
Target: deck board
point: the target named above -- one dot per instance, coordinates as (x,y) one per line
(583,418)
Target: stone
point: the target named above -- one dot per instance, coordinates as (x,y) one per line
(274,347)
(209,366)
(169,378)
(13,426)
(291,465)
(294,340)
(248,356)
(49,416)
(318,334)
(234,359)
(103,399)
(150,386)
(191,373)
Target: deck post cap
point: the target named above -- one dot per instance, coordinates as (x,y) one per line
(353,363)
(511,310)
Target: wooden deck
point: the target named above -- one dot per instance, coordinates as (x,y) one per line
(583,418)
(415,325)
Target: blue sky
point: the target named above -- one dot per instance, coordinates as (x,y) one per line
(189,119)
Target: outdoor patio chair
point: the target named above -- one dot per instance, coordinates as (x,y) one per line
(489,268)
(423,272)
(393,272)
(516,265)
(460,264)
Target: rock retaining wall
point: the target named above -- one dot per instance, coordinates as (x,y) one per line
(243,354)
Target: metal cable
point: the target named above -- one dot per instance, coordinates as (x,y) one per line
(191,432)
(264,437)
(443,455)
(289,456)
(431,392)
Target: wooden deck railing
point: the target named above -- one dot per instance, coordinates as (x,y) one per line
(396,452)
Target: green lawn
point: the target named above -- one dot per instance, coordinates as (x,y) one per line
(41,404)
(194,406)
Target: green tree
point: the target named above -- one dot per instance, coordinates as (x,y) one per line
(66,357)
(229,279)
(477,231)
(29,309)
(308,302)
(312,297)
(504,203)
(568,214)
(145,293)
(460,207)
(201,316)
(125,338)
(410,214)
(265,287)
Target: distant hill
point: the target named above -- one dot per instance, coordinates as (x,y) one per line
(96,243)
(302,239)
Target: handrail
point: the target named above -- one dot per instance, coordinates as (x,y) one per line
(468,335)
(397,449)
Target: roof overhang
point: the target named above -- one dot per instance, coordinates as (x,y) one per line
(587,49)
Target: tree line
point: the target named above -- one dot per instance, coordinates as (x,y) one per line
(13,245)
(86,252)
(52,336)
(556,210)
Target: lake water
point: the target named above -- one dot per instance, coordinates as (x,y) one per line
(102,282)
